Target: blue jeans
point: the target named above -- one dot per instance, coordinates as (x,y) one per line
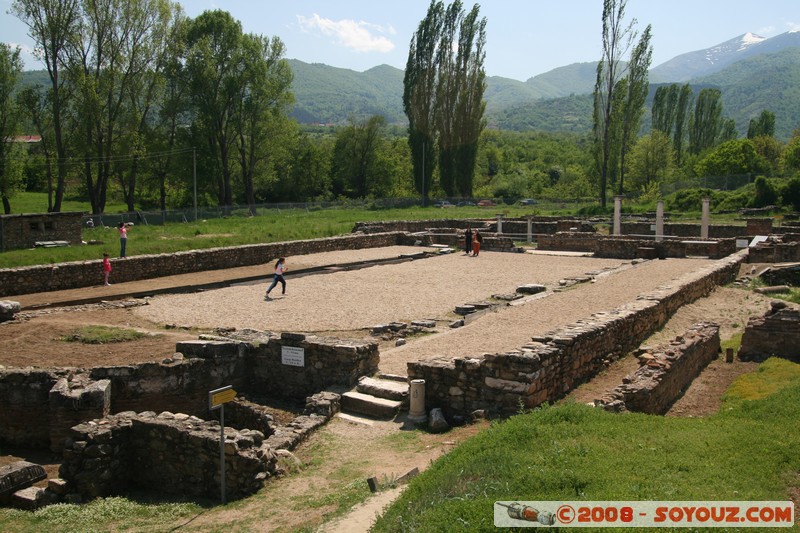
(275,279)
(122,243)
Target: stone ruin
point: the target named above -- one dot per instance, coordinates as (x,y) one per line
(147,426)
(664,372)
(777,333)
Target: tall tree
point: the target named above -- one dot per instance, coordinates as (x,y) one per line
(419,97)
(10,70)
(706,122)
(617,40)
(682,117)
(264,97)
(652,159)
(470,107)
(215,65)
(764,125)
(356,170)
(636,91)
(459,102)
(52,25)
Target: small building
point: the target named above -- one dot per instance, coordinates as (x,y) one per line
(27,229)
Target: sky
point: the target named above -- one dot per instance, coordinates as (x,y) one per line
(523,37)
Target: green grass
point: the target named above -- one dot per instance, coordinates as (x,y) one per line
(272,225)
(102,335)
(105,514)
(575,452)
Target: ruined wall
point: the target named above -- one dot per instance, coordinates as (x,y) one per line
(686,231)
(622,247)
(25,230)
(299,365)
(76,274)
(777,333)
(568,241)
(551,365)
(39,407)
(775,252)
(664,372)
(171,453)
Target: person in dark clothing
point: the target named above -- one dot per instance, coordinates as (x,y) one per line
(468,241)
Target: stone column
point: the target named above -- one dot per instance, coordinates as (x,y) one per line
(704,222)
(499,223)
(617,215)
(660,221)
(416,411)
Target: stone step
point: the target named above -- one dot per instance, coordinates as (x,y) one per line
(383,388)
(369,405)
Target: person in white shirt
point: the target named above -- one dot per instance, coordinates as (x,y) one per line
(280,268)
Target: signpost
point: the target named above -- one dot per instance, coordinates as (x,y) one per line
(217,399)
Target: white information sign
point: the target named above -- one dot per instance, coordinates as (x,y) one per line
(293,356)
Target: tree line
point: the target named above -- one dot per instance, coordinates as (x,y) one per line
(145,103)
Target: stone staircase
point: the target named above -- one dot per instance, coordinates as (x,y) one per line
(382,396)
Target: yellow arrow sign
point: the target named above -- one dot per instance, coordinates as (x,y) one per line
(223,396)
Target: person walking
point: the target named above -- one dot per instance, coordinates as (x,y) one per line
(123,236)
(468,241)
(477,239)
(106,269)
(280,268)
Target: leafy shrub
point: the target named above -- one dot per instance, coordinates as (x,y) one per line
(791,194)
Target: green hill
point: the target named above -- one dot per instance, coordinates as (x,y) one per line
(768,81)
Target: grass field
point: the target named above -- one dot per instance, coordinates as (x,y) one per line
(575,452)
(271,225)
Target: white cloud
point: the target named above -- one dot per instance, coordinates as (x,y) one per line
(358,35)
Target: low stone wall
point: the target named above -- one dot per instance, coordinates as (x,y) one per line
(171,453)
(685,231)
(777,333)
(299,365)
(73,275)
(775,252)
(551,365)
(568,241)
(41,405)
(664,372)
(622,247)
(491,242)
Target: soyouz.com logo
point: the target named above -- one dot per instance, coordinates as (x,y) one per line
(644,514)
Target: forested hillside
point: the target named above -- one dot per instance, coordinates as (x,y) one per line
(769,81)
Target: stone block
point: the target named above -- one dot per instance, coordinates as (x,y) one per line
(19,475)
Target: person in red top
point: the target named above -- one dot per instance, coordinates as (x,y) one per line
(477,239)
(106,269)
(280,268)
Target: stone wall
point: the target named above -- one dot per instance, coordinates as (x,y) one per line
(39,406)
(24,231)
(777,251)
(551,365)
(622,247)
(686,231)
(664,372)
(568,241)
(777,333)
(76,274)
(171,453)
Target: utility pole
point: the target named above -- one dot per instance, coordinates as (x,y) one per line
(194,179)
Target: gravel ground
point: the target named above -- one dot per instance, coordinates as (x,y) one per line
(426,289)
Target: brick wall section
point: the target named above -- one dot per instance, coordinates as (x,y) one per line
(622,247)
(551,365)
(23,231)
(169,453)
(665,372)
(25,412)
(775,252)
(686,231)
(777,333)
(326,361)
(39,407)
(76,274)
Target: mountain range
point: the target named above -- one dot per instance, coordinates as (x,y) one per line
(754,73)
